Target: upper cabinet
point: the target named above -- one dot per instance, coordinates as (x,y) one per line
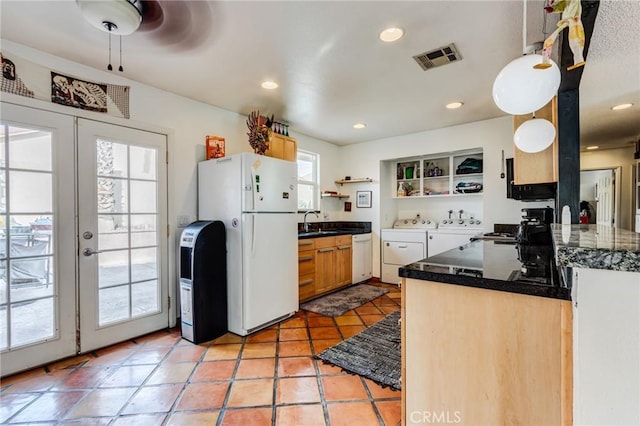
(457,173)
(539,167)
(283,147)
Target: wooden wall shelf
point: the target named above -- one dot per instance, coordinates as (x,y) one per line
(359,180)
(335,195)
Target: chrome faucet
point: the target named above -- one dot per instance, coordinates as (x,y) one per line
(305,225)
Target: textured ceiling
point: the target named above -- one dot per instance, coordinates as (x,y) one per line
(334,72)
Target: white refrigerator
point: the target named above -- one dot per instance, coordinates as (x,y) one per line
(256,198)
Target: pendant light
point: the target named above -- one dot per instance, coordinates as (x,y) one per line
(519,88)
(534,135)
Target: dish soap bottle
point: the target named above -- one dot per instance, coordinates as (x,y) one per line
(400,190)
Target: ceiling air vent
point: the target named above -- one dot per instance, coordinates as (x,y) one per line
(438,57)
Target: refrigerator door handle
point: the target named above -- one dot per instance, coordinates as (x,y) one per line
(253,235)
(253,188)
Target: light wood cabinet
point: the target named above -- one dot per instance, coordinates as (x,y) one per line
(306,269)
(324,264)
(538,167)
(473,356)
(283,147)
(344,260)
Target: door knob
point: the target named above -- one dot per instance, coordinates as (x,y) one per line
(89,252)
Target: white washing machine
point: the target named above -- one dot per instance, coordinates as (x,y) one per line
(405,243)
(452,233)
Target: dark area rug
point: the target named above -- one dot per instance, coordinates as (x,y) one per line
(336,304)
(373,353)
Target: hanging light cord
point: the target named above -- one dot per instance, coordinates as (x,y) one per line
(120,67)
(524,27)
(545,33)
(109,67)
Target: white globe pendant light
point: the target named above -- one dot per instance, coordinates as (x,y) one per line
(534,135)
(521,89)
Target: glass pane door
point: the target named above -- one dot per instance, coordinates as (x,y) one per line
(37,260)
(123,282)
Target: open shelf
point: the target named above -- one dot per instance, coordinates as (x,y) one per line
(436,175)
(335,195)
(358,180)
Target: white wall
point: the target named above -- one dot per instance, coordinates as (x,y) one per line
(610,159)
(369,160)
(186,122)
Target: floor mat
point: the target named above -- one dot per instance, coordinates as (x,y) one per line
(336,304)
(373,353)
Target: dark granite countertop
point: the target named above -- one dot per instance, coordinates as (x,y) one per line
(494,266)
(596,247)
(329,229)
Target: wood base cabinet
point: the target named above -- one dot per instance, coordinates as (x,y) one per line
(473,356)
(306,269)
(324,264)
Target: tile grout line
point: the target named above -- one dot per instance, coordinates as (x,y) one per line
(232,380)
(274,393)
(316,366)
(187,382)
(142,385)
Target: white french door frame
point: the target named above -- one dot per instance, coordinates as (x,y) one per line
(35,107)
(92,334)
(63,343)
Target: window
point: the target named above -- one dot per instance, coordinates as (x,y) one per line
(308,180)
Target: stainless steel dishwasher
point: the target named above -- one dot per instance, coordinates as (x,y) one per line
(362,261)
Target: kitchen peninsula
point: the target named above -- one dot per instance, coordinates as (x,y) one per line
(602,266)
(484,345)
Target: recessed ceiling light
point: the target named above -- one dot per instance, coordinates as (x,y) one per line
(359,126)
(593,147)
(621,106)
(391,34)
(270,85)
(454,105)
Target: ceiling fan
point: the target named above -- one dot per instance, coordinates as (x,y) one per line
(179,25)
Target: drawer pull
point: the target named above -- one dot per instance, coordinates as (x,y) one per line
(403,246)
(307,282)
(305,259)
(326,250)
(344,247)
(307,243)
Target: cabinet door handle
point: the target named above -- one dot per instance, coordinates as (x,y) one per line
(307,282)
(325,250)
(402,246)
(344,247)
(431,237)
(308,243)
(305,259)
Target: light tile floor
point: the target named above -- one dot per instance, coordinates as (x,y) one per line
(267,378)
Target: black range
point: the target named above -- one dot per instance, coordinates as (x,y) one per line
(494,265)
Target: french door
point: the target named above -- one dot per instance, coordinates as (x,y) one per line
(37,248)
(122,231)
(83,255)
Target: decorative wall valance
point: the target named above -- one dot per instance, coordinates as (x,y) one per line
(25,78)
